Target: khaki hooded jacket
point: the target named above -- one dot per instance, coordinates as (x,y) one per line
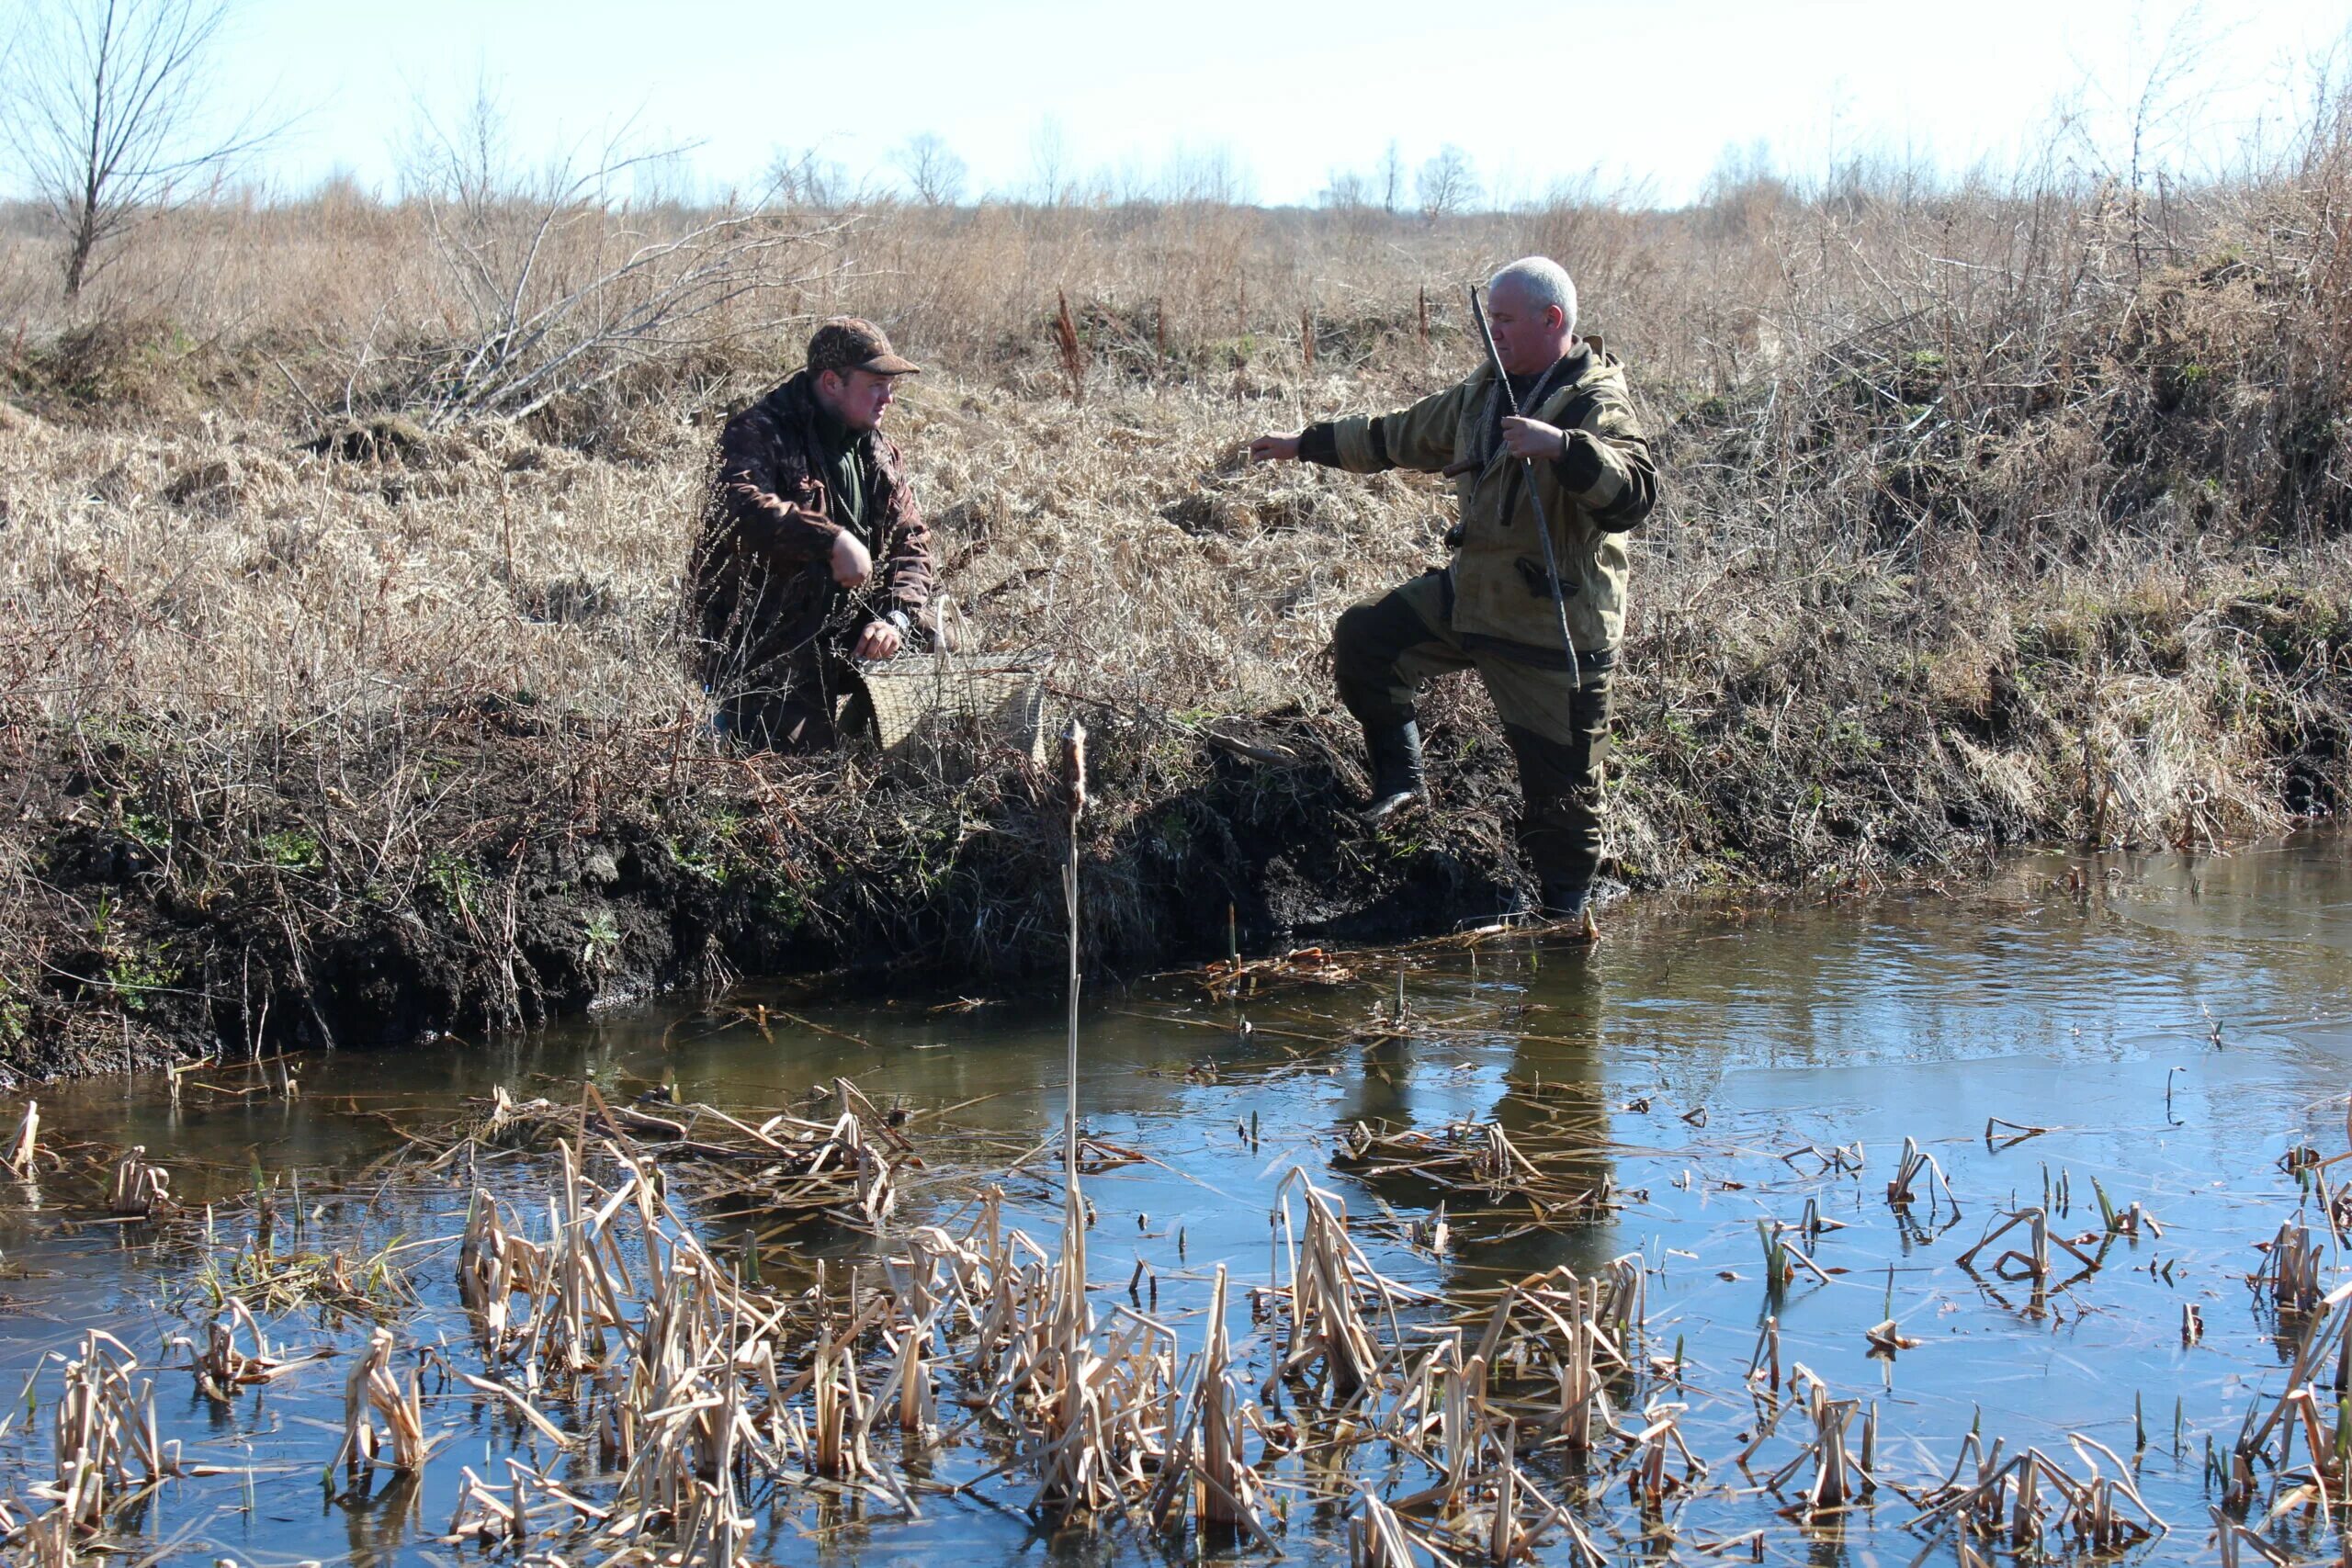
(1602,485)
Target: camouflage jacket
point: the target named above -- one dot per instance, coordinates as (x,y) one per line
(1601,486)
(760,587)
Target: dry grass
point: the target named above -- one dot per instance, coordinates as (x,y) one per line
(1995,515)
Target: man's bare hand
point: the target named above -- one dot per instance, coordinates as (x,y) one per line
(852,564)
(1533,438)
(879,641)
(1274,449)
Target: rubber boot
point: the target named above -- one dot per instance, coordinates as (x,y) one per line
(1559,832)
(1565,899)
(1396,776)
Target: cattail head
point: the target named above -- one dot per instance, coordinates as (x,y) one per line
(1074,767)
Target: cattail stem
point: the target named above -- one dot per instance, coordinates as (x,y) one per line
(1074,782)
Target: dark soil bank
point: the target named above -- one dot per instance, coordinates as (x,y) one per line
(486,870)
(493,866)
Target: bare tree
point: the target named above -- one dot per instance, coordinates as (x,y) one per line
(1345,192)
(103,107)
(1197,176)
(466,157)
(1049,178)
(932,168)
(1391,180)
(1447,183)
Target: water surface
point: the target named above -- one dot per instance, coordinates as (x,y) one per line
(2176,1023)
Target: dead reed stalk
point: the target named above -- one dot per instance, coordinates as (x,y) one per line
(25,1145)
(139,1187)
(1067,345)
(372,1390)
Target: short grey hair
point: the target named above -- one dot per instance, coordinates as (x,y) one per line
(1545,281)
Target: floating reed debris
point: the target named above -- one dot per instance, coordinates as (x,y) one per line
(2018,1504)
(784,1166)
(1227,979)
(1841,1158)
(1477,1158)
(2034,1261)
(259,1272)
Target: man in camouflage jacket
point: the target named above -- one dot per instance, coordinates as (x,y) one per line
(812,552)
(1491,608)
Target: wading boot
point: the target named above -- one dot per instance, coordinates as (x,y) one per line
(1559,828)
(1555,901)
(1397,777)
(1570,903)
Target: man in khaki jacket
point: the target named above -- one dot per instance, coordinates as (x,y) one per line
(1490,609)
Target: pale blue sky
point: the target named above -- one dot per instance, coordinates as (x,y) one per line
(1647,90)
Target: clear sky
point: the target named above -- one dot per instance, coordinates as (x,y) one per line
(1647,91)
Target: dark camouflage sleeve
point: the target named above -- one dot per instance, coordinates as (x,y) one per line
(906,548)
(761,487)
(1606,464)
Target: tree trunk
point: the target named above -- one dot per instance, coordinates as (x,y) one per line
(77,255)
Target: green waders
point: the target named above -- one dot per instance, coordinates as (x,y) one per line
(1558,731)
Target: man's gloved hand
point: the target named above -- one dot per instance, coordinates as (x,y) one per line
(852,564)
(879,641)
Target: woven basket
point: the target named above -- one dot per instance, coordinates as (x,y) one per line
(926,699)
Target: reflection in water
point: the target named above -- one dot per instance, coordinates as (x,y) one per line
(1481,1051)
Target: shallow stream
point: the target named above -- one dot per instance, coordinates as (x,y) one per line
(2175,1024)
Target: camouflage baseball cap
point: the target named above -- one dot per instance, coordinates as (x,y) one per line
(846,343)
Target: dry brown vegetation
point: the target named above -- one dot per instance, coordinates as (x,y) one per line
(339,547)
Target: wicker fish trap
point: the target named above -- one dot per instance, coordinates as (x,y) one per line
(995,699)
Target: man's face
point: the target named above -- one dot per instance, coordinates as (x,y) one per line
(1527,335)
(858,397)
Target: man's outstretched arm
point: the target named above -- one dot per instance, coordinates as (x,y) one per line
(1420,438)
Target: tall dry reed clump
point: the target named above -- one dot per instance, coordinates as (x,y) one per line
(342,543)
